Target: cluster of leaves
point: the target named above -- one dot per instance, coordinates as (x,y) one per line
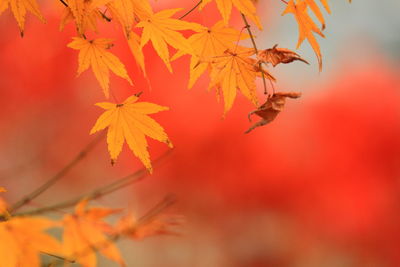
(232,68)
(23,239)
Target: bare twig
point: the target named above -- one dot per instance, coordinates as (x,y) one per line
(58,257)
(64,3)
(191,10)
(98,192)
(38,191)
(247,25)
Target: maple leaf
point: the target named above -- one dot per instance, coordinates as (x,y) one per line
(126,11)
(326,6)
(22,239)
(85,232)
(207,43)
(85,13)
(235,71)
(161,29)
(94,53)
(19,9)
(246,7)
(137,52)
(315,9)
(271,108)
(276,55)
(306,26)
(129,121)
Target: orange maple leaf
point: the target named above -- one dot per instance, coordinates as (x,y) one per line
(85,13)
(94,53)
(306,26)
(128,11)
(246,7)
(315,9)
(161,30)
(134,45)
(130,121)
(19,9)
(236,71)
(22,240)
(207,43)
(85,232)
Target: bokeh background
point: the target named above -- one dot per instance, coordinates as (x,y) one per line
(320,186)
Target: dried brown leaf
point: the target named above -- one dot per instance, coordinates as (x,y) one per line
(271,108)
(276,55)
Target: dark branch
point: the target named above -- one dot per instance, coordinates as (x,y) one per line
(247,26)
(191,10)
(38,191)
(99,192)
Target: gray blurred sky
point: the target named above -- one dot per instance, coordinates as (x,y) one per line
(356,33)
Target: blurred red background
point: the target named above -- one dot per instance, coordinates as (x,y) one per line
(317,187)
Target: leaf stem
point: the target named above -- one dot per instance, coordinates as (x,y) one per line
(247,25)
(191,10)
(99,192)
(41,189)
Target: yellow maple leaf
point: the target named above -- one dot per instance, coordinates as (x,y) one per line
(85,13)
(207,43)
(129,121)
(306,26)
(126,11)
(161,29)
(22,239)
(315,9)
(244,6)
(134,45)
(85,232)
(233,71)
(94,53)
(19,9)
(326,6)
(317,12)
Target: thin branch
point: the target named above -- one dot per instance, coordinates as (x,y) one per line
(247,25)
(168,201)
(191,10)
(103,14)
(64,3)
(99,192)
(284,2)
(58,257)
(38,191)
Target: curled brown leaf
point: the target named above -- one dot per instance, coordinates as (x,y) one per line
(271,108)
(276,55)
